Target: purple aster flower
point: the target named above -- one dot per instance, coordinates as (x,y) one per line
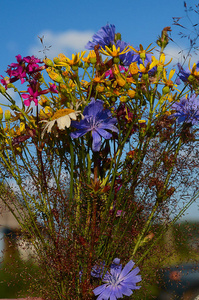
(97,120)
(187,110)
(104,37)
(118,282)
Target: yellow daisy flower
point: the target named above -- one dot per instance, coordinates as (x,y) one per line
(114,52)
(161,62)
(142,53)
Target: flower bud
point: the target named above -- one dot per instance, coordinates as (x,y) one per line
(93,60)
(143,55)
(2,89)
(48,62)
(191,78)
(74,68)
(54,76)
(7,115)
(165,90)
(56,60)
(22,127)
(1,114)
(163,40)
(118,36)
(116,60)
(86,65)
(131,93)
(100,88)
(123,99)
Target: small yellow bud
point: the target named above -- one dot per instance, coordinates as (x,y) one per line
(1,114)
(123,99)
(54,76)
(100,88)
(116,60)
(131,93)
(133,68)
(22,127)
(93,60)
(48,62)
(2,89)
(74,68)
(56,60)
(143,55)
(165,90)
(120,81)
(7,115)
(191,78)
(160,68)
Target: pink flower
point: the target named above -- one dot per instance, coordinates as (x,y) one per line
(33,96)
(111,74)
(32,63)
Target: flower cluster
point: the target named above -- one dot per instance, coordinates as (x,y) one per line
(105,153)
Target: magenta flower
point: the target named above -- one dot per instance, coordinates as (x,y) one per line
(118,282)
(32,96)
(97,120)
(52,89)
(24,66)
(32,63)
(111,74)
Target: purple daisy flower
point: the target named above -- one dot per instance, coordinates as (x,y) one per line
(97,120)
(104,37)
(118,282)
(187,110)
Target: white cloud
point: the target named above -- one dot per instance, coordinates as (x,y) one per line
(65,42)
(180,55)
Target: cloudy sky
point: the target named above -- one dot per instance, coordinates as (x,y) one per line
(66,26)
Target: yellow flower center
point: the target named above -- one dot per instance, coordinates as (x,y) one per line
(61,113)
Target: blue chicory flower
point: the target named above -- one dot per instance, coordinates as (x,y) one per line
(126,58)
(185,73)
(97,120)
(187,110)
(118,282)
(104,37)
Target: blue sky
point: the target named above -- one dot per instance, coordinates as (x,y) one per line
(68,25)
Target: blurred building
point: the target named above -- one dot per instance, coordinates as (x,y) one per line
(11,237)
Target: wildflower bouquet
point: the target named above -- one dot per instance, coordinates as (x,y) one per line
(100,156)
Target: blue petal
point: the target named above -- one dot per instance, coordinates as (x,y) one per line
(105,134)
(93,108)
(96,141)
(100,289)
(127,268)
(78,133)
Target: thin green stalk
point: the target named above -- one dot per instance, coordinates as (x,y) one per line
(141,235)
